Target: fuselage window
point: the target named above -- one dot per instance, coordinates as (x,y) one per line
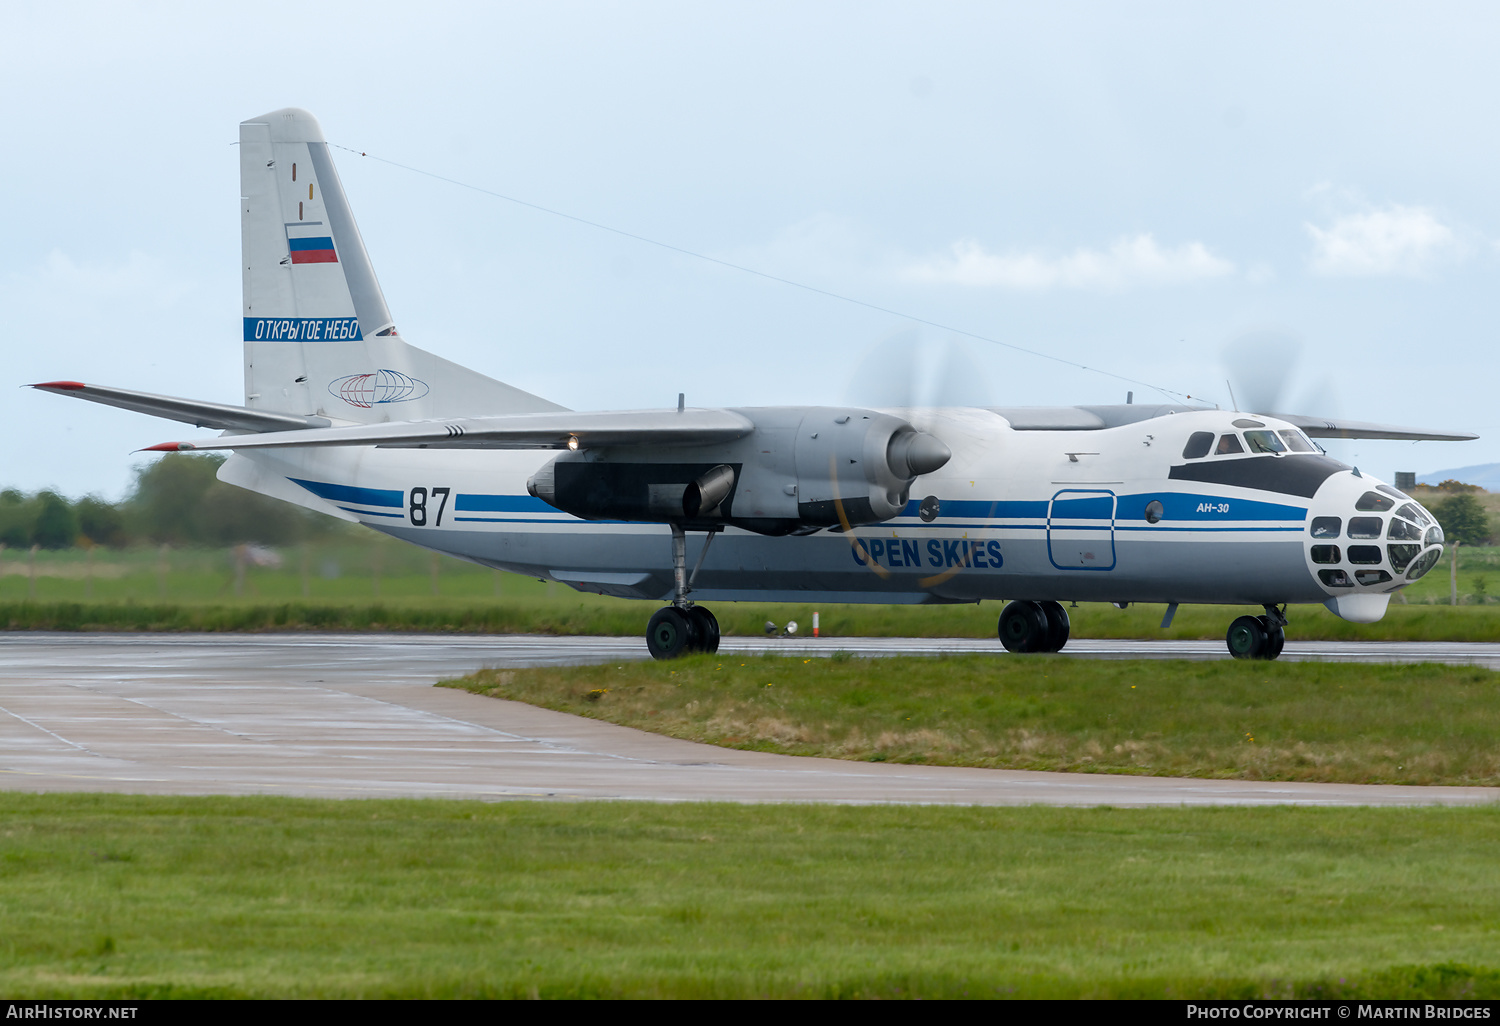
(1198,445)
(1229,445)
(1372,502)
(1365,527)
(1264,441)
(1335,578)
(1326,527)
(1367,555)
(1297,441)
(1325,553)
(1369,577)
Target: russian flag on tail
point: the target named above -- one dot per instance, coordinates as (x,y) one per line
(316,250)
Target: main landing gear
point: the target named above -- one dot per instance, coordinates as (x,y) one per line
(1027,626)
(1258,637)
(684,626)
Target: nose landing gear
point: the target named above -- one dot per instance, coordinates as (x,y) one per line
(684,626)
(1258,637)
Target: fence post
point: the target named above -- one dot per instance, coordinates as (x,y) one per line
(1453,576)
(161,570)
(31,573)
(239,569)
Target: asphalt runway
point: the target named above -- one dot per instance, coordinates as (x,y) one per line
(357,716)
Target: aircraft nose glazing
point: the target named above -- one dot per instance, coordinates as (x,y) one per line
(1381,541)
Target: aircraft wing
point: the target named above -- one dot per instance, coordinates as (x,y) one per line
(516,431)
(189,411)
(1319,427)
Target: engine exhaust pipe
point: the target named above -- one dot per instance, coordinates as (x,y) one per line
(705,494)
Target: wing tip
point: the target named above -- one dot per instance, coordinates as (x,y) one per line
(60,386)
(169,447)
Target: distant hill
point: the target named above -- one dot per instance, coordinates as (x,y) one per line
(1486,476)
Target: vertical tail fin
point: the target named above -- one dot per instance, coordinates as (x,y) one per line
(306,273)
(319,338)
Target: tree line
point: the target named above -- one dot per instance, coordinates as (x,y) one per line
(177,500)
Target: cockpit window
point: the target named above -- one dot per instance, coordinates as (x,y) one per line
(1365,527)
(1198,445)
(1229,445)
(1297,441)
(1264,441)
(1391,491)
(1370,502)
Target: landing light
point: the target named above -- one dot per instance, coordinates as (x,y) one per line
(573,443)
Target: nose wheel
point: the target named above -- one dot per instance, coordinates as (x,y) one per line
(683,627)
(1258,637)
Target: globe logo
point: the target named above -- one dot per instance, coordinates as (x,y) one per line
(382,386)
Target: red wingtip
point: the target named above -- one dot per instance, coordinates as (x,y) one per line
(167,447)
(71,386)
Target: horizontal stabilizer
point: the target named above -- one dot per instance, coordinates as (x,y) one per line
(188,411)
(1318,427)
(518,431)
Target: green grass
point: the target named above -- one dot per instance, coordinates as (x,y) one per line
(390,586)
(133,897)
(1426,724)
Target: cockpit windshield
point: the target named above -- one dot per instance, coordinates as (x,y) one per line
(1264,441)
(1297,441)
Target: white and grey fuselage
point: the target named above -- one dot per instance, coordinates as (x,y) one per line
(1190,506)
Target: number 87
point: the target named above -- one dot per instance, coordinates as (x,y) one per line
(416,509)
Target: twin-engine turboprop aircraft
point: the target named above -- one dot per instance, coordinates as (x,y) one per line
(1039,506)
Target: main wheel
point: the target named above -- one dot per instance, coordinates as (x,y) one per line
(1275,638)
(670,633)
(1247,638)
(708,630)
(1023,627)
(1057,626)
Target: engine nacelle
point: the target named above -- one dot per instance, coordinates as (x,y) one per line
(800,469)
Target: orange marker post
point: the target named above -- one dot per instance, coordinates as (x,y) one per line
(815,625)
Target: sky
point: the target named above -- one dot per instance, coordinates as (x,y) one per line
(1296,198)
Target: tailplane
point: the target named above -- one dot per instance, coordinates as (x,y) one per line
(319,338)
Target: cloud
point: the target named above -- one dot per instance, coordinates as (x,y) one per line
(1130,262)
(1398,240)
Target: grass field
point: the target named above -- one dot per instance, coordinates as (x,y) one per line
(1424,724)
(116,896)
(387,585)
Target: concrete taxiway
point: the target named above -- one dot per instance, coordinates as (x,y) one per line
(357,716)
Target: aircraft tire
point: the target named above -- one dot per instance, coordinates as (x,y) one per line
(1023,627)
(671,633)
(1247,638)
(1058,626)
(1275,638)
(707,628)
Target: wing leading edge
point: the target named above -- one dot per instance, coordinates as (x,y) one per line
(516,431)
(188,411)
